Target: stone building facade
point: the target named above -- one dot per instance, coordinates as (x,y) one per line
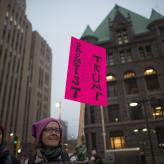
(134,117)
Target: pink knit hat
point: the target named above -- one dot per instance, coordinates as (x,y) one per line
(37,127)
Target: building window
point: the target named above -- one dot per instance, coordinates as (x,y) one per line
(160,136)
(117,140)
(151,79)
(125,55)
(111,86)
(113,113)
(145,51)
(47,79)
(136,112)
(109,54)
(122,36)
(93,140)
(129,55)
(161,29)
(141,52)
(110,58)
(40,78)
(157,108)
(92,114)
(122,56)
(148,50)
(130,83)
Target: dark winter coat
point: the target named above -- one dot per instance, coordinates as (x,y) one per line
(39,158)
(5,157)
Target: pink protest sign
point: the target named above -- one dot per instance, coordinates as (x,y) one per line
(86,76)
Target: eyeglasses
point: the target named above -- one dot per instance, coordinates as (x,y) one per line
(52,130)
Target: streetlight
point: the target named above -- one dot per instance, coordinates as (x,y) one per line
(103,129)
(19,151)
(58,106)
(133,104)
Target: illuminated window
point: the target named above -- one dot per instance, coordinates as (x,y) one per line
(111,86)
(151,79)
(130,83)
(157,108)
(111,78)
(122,36)
(158,112)
(129,75)
(117,140)
(150,72)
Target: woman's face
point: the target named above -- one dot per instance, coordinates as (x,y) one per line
(51,135)
(1,136)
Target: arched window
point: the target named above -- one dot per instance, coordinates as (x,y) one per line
(111,85)
(151,79)
(130,83)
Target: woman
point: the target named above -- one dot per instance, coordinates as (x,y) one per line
(48,135)
(5,157)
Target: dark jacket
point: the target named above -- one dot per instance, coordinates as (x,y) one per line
(5,157)
(63,158)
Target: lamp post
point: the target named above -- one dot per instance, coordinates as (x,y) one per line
(103,129)
(58,106)
(133,104)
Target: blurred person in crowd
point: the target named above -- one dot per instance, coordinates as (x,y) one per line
(48,135)
(81,152)
(5,157)
(95,158)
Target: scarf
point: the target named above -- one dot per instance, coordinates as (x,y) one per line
(47,155)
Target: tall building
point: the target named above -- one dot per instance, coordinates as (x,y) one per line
(38,86)
(134,117)
(25,72)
